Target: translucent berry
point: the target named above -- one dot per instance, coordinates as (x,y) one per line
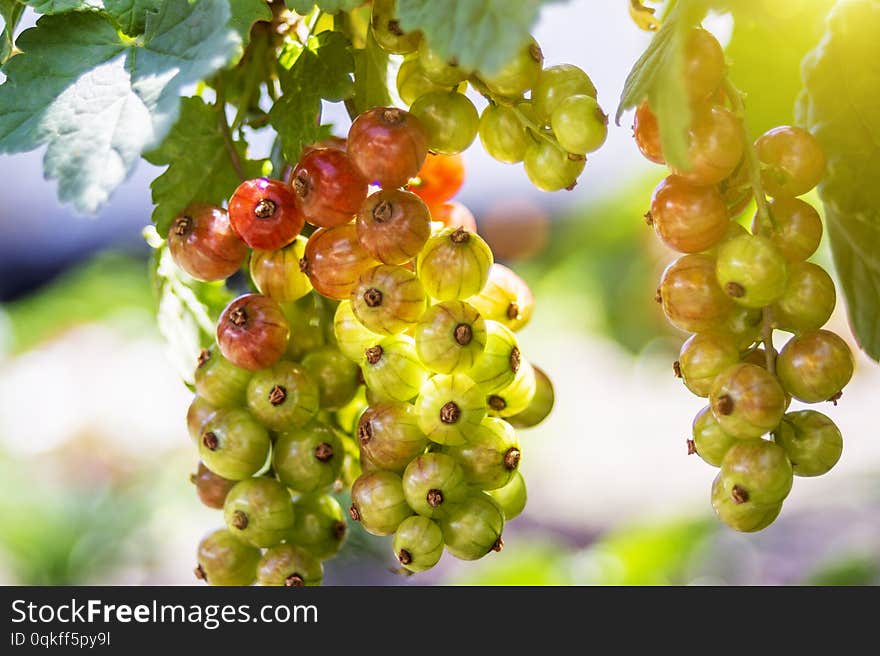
(496,366)
(473,528)
(757,471)
(330,190)
(579,124)
(203,243)
(503,134)
(747,401)
(745,516)
(715,145)
(233,444)
(454,215)
(218,381)
(265,213)
(703,356)
(277,274)
(412,82)
(337,377)
(390,436)
(387,30)
(252,332)
(815,366)
(291,566)
(388,299)
(808,300)
(308,322)
(352,336)
(505,298)
(550,168)
(792,161)
(710,441)
(418,543)
(704,64)
(691,297)
(259,511)
(392,368)
(557,83)
(512,497)
(541,404)
(211,488)
(646,132)
(450,120)
(516,397)
(198,414)
(387,145)
(751,270)
(812,442)
(491,455)
(796,229)
(223,559)
(439,179)
(688,218)
(450,408)
(450,337)
(319,525)
(393,225)
(454,265)
(283,396)
(378,502)
(433,484)
(308,459)
(334,259)
(519,74)
(445,72)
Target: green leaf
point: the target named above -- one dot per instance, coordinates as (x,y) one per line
(108,97)
(11,12)
(303,7)
(199,167)
(482,34)
(63,6)
(322,69)
(244,13)
(658,76)
(370,76)
(188,311)
(840,105)
(131,15)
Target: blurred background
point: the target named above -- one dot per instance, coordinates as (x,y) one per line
(95,457)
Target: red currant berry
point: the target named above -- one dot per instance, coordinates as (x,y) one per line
(793,161)
(211,488)
(439,179)
(688,218)
(203,243)
(252,332)
(393,225)
(389,435)
(329,189)
(691,297)
(334,259)
(265,213)
(387,145)
(454,215)
(646,132)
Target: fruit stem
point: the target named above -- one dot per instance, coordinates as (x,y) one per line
(227,133)
(752,163)
(767,338)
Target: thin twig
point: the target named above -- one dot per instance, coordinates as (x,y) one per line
(234,159)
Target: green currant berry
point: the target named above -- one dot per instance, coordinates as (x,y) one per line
(743,324)
(450,408)
(434,483)
(454,265)
(197,415)
(259,511)
(541,404)
(220,382)
(815,366)
(746,516)
(793,161)
(710,442)
(502,134)
(506,298)
(412,83)
(352,336)
(388,299)
(318,526)
(290,566)
(751,270)
(688,218)
(233,444)
(418,543)
(808,300)
(283,396)
(491,455)
(307,319)
(450,337)
(756,471)
(579,124)
(392,368)
(387,31)
(557,83)
(211,488)
(704,64)
(550,168)
(308,459)
(747,401)
(337,377)
(390,436)
(811,441)
(496,368)
(512,497)
(450,120)
(378,502)
(225,560)
(347,416)
(796,229)
(517,396)
(691,297)
(277,273)
(703,356)
(519,74)
(473,528)
(445,72)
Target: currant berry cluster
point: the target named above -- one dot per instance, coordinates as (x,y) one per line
(733,287)
(378,352)
(550,132)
